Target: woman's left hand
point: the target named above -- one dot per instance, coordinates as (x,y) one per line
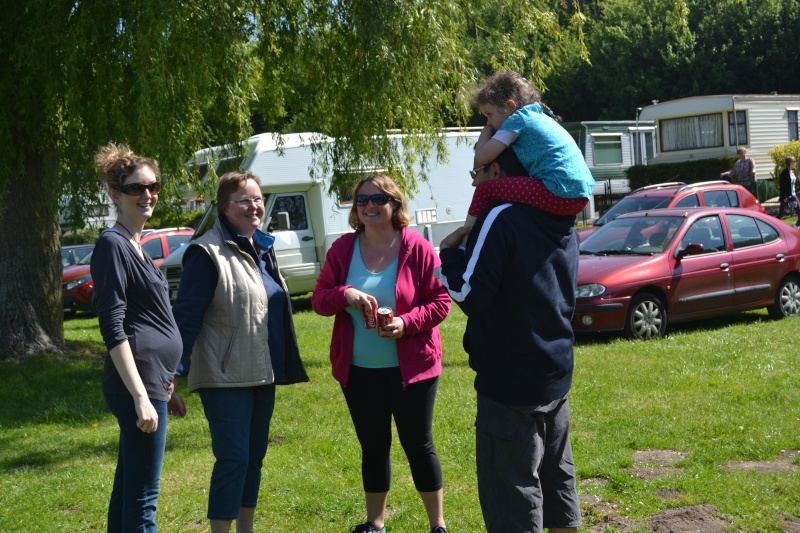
(175,406)
(394,330)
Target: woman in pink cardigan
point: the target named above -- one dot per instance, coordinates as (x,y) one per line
(394,374)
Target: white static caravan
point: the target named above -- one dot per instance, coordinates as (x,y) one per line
(704,127)
(306,219)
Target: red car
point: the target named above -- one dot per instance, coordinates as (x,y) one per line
(718,193)
(76,280)
(644,270)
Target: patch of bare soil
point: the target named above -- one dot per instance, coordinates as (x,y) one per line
(790,524)
(697,518)
(783,462)
(668,494)
(604,516)
(657,457)
(651,464)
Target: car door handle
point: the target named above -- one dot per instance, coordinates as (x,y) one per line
(307,238)
(724,266)
(779,257)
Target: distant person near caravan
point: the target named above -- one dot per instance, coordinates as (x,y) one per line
(744,170)
(788,191)
(561,182)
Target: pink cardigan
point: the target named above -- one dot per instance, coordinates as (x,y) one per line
(422,303)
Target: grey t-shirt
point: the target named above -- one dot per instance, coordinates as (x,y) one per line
(132,302)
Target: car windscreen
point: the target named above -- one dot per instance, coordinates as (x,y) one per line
(633,236)
(632,204)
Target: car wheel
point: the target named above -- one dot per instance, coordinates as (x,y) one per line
(647,317)
(787,299)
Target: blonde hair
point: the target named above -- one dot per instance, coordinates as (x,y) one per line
(400,214)
(116,162)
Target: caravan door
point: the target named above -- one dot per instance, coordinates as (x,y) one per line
(295,244)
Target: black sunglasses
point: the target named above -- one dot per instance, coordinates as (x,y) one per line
(137,189)
(377,199)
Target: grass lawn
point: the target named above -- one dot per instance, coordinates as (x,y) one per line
(720,391)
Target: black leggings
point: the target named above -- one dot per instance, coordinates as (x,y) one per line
(373,396)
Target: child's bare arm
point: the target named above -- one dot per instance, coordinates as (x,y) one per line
(488,151)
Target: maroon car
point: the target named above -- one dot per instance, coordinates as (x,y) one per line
(719,193)
(644,270)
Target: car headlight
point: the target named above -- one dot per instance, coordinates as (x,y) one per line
(587,291)
(76,282)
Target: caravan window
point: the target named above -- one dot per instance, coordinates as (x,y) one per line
(689,133)
(607,148)
(737,128)
(794,132)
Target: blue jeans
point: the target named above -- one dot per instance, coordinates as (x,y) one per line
(132,507)
(238,420)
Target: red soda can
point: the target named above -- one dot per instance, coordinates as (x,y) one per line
(370,317)
(385,316)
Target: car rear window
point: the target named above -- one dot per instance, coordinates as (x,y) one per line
(630,205)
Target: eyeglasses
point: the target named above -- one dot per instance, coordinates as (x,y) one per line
(245,202)
(377,199)
(474,171)
(137,189)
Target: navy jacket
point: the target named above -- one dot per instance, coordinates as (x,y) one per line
(516,283)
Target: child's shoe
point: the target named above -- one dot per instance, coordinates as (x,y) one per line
(368,527)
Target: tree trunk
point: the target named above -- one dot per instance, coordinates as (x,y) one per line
(31,309)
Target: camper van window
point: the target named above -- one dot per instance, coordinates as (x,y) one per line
(296,207)
(229,165)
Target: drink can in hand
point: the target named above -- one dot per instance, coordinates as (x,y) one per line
(370,317)
(385,316)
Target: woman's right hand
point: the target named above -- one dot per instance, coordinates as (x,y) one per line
(147,416)
(360,300)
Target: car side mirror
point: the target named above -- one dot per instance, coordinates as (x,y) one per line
(692,248)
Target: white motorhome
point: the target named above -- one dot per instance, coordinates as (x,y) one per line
(306,218)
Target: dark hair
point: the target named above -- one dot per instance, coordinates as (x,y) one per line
(504,86)
(116,162)
(510,163)
(400,214)
(229,183)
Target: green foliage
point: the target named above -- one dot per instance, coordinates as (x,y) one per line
(766,189)
(677,49)
(687,171)
(163,218)
(81,236)
(781,152)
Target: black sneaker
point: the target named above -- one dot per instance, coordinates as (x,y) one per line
(368,527)
(438,529)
